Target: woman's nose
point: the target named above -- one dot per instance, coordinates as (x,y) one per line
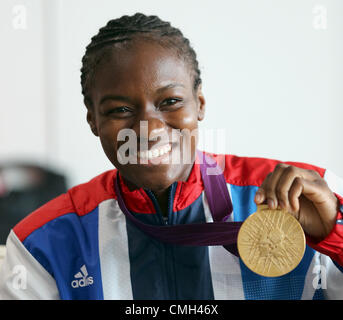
(149,126)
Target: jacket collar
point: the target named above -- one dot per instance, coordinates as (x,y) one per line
(138,201)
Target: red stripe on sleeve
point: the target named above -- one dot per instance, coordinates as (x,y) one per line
(51,210)
(332,245)
(245,171)
(80,200)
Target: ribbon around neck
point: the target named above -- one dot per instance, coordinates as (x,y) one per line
(218,232)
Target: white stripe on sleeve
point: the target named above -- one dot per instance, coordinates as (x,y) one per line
(22,277)
(114,252)
(334,182)
(331,279)
(312,278)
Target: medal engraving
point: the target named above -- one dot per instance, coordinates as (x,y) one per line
(270,242)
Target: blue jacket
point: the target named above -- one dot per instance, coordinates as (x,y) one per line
(81,246)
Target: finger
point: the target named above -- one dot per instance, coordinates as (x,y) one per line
(312,206)
(294,194)
(260,195)
(269,185)
(311,190)
(299,196)
(284,185)
(320,195)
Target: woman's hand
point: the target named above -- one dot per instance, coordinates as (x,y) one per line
(304,194)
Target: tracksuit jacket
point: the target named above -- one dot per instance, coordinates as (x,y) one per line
(81,246)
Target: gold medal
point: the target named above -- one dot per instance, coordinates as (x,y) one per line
(270,242)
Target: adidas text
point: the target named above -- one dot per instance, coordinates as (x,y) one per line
(82,282)
(82,279)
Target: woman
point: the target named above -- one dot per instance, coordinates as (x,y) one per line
(142,89)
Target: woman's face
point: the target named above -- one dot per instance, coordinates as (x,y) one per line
(147,89)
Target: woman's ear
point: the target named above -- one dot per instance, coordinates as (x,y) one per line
(91,121)
(201,103)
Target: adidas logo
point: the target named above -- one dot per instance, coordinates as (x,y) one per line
(82,279)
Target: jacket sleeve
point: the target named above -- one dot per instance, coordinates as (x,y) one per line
(22,277)
(331,248)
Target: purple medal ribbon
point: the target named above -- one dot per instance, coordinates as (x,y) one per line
(213,233)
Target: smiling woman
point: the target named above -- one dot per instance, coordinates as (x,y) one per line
(146,83)
(145,229)
(143,69)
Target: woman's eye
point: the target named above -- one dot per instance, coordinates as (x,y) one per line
(170,102)
(119,111)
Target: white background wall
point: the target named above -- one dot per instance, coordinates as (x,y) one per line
(272,74)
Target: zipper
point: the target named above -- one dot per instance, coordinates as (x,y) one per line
(170,203)
(163,219)
(168,249)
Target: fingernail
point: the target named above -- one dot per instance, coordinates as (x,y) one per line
(258,197)
(271,203)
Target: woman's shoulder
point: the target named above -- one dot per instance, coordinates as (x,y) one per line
(78,200)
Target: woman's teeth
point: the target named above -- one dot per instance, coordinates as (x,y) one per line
(154,153)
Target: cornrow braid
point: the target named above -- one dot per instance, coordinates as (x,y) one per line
(125,29)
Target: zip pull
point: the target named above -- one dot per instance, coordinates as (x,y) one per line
(165,219)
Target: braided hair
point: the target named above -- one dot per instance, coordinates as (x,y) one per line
(124,29)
